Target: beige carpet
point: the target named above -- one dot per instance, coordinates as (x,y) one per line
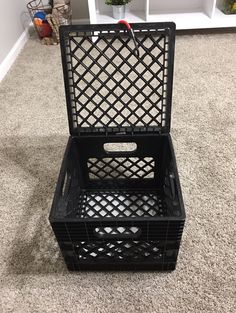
(33,130)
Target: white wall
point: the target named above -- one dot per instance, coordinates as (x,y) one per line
(79,9)
(13,21)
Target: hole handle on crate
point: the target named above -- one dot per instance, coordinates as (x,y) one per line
(124,22)
(117,232)
(119,147)
(172,184)
(66,185)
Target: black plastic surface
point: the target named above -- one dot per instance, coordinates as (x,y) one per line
(108,88)
(118,203)
(113,212)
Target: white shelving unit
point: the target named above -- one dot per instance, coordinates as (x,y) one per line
(187,14)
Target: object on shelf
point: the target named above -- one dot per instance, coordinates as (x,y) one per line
(229,7)
(118,203)
(48,18)
(118,8)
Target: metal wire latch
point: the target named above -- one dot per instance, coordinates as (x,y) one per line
(136,51)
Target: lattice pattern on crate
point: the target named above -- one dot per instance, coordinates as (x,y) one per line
(109,87)
(116,204)
(125,167)
(119,250)
(104,232)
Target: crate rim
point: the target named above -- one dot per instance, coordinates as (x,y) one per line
(118,219)
(97,27)
(182,216)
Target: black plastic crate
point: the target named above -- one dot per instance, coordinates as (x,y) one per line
(118,202)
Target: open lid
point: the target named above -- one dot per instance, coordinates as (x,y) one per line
(112,89)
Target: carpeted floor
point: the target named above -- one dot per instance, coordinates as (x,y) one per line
(34,131)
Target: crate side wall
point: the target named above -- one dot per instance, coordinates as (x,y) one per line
(120,255)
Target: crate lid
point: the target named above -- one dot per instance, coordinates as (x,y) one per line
(109,88)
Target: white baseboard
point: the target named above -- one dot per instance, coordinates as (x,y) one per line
(80,21)
(13,54)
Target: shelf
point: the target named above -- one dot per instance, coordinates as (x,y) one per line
(187,14)
(223,20)
(196,20)
(132,17)
(183,20)
(177,6)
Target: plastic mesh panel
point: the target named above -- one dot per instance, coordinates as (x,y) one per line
(119,250)
(110,88)
(103,204)
(105,232)
(113,168)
